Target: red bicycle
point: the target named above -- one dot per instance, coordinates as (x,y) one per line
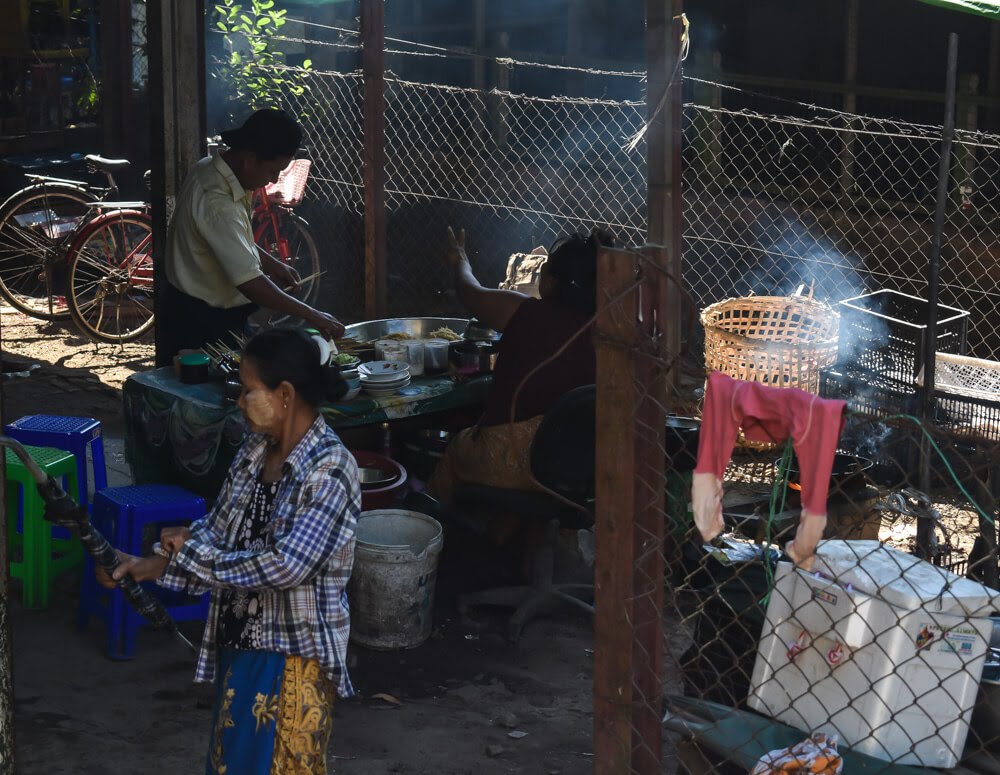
(110,261)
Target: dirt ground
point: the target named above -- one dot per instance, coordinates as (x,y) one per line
(457,704)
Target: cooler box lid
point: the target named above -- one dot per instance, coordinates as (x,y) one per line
(902,580)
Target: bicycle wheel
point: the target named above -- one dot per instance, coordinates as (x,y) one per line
(111,277)
(36,225)
(303,256)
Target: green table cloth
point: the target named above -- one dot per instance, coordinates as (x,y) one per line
(188,434)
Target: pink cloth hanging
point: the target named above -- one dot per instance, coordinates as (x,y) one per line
(766,414)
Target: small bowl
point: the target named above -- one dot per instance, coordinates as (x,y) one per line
(351,365)
(352,393)
(372,478)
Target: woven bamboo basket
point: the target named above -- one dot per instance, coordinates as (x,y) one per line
(782,341)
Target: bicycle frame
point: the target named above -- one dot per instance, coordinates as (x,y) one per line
(141,274)
(265,214)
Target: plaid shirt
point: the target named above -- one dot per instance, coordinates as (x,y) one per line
(302,574)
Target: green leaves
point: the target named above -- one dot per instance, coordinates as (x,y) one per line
(253,69)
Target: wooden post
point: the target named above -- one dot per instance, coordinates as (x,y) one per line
(993,77)
(650,488)
(615,336)
(478,45)
(574,47)
(499,109)
(850,96)
(116,74)
(708,132)
(481,114)
(373,70)
(663,156)
(176,38)
(967,118)
(6,673)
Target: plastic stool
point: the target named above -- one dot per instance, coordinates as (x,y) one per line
(73,434)
(29,530)
(123,515)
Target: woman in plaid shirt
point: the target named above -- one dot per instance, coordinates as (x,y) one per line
(276,551)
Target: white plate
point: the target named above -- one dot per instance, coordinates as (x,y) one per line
(385,384)
(387,389)
(381,393)
(382,390)
(383,370)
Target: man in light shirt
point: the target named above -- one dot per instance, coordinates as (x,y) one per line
(216,275)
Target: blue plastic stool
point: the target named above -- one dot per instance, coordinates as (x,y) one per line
(123,515)
(72,434)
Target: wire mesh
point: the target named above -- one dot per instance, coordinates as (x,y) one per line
(880,644)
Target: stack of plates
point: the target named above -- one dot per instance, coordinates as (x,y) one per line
(384,378)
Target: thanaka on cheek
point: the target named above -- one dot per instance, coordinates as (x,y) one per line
(259,410)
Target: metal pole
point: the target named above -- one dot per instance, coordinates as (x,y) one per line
(373,72)
(934,267)
(6,663)
(925,529)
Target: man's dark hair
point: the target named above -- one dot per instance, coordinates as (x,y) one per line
(269,133)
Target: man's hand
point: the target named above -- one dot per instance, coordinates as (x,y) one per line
(173,538)
(139,568)
(455,256)
(327,325)
(283,275)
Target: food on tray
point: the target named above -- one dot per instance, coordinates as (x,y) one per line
(342,359)
(399,336)
(444,333)
(350,345)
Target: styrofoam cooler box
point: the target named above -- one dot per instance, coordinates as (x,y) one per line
(876,646)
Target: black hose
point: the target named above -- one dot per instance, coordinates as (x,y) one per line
(62,510)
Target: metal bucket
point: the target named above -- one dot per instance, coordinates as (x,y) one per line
(392,587)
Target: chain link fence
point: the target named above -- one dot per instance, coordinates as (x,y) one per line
(711,654)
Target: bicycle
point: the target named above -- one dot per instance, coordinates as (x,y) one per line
(37,224)
(110,264)
(110,273)
(285,235)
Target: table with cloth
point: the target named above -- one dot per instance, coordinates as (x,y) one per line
(187,435)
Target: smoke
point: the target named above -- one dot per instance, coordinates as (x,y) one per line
(786,253)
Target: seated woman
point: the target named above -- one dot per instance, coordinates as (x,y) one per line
(276,551)
(546,351)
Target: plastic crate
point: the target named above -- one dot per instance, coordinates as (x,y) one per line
(869,392)
(891,445)
(884,331)
(966,396)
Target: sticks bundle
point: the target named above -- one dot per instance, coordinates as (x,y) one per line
(306,279)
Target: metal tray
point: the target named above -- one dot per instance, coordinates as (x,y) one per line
(419,328)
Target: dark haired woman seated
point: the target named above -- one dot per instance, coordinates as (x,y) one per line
(546,351)
(276,551)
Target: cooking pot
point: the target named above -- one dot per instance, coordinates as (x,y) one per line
(469,357)
(849,474)
(681,442)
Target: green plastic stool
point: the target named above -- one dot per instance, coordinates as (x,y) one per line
(43,556)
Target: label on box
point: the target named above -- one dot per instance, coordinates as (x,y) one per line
(959,640)
(824,596)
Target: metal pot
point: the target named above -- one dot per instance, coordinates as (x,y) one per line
(477,332)
(681,442)
(465,356)
(849,474)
